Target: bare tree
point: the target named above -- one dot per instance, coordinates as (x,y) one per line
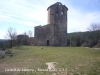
(94,27)
(95,33)
(24,33)
(11,34)
(30,33)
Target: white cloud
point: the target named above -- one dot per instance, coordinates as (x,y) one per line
(28,23)
(23,10)
(7,17)
(80,21)
(2,34)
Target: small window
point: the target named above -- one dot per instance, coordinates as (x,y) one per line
(62,13)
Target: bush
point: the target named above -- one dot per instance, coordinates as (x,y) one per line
(9,53)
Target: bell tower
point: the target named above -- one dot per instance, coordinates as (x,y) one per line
(57,15)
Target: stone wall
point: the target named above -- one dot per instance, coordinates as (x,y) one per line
(44,34)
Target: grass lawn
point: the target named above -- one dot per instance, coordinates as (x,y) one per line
(71,61)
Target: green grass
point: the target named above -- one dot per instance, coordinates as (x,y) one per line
(77,60)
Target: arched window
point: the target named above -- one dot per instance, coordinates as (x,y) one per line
(61,10)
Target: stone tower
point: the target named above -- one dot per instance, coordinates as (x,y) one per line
(57,15)
(55,32)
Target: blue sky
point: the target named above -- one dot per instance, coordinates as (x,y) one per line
(24,15)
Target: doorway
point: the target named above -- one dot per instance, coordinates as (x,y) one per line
(47,42)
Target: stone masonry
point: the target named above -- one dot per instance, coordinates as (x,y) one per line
(55,32)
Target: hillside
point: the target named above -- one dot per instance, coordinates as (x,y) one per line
(89,39)
(2,40)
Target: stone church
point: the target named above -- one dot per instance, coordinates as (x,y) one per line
(55,32)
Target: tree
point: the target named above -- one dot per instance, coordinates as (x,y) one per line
(11,34)
(94,27)
(24,33)
(30,33)
(95,33)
